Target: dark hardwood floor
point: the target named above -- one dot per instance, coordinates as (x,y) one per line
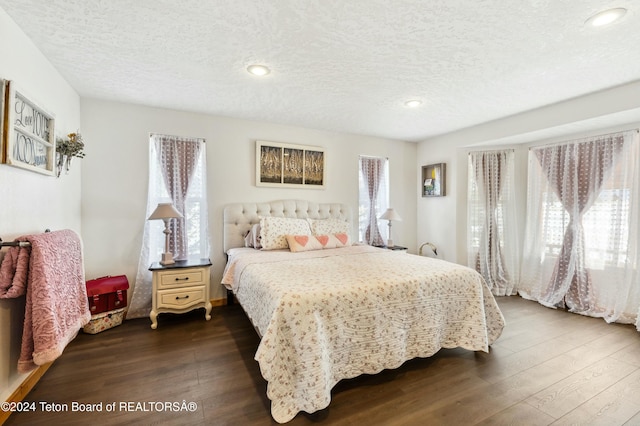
(548,367)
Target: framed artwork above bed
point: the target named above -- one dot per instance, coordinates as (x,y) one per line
(286,165)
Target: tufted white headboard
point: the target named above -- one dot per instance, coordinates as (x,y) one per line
(238,218)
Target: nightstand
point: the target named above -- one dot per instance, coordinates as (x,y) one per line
(180,287)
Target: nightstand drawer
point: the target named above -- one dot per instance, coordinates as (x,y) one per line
(181,298)
(181,277)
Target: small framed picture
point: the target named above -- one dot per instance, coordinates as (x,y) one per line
(434,182)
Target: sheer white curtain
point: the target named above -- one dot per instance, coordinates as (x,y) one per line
(492,237)
(177,174)
(581,243)
(373,199)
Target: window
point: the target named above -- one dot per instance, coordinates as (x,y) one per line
(581,240)
(177,175)
(194,207)
(608,248)
(605,223)
(373,185)
(491,216)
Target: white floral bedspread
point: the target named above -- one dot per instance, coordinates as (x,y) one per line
(333,314)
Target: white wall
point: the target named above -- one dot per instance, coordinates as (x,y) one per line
(104,196)
(442,220)
(32,202)
(115,176)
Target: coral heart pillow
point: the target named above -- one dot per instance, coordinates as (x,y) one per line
(317,242)
(303,243)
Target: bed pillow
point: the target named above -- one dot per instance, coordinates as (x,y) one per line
(340,239)
(273,231)
(328,226)
(299,243)
(252,238)
(306,242)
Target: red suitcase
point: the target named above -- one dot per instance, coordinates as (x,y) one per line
(107,293)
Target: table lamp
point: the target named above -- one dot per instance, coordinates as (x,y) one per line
(390,215)
(166,212)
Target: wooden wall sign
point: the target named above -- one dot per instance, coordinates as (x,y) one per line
(29,134)
(3,114)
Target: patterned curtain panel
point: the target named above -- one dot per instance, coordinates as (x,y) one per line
(177,174)
(373,175)
(581,243)
(491,216)
(178,158)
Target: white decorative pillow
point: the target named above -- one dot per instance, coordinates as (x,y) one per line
(317,242)
(328,226)
(273,231)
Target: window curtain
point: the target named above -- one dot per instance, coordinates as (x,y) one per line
(581,239)
(177,159)
(491,217)
(177,174)
(373,187)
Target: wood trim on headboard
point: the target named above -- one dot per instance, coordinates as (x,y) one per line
(239,217)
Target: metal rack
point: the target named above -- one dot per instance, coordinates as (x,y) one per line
(17,243)
(14,243)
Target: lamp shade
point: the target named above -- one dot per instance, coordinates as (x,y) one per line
(164,211)
(391,214)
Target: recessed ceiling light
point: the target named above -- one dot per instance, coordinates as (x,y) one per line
(258,70)
(606,17)
(413,103)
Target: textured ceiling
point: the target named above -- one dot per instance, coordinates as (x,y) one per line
(338,65)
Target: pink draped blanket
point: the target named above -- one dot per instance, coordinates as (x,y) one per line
(51,274)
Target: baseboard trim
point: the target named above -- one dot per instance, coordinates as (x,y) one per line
(25,387)
(218,302)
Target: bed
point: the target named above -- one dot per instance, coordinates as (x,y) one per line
(328,310)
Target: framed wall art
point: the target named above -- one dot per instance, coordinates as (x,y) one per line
(3,113)
(434,182)
(287,165)
(29,133)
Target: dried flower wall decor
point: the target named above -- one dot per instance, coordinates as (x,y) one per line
(67,149)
